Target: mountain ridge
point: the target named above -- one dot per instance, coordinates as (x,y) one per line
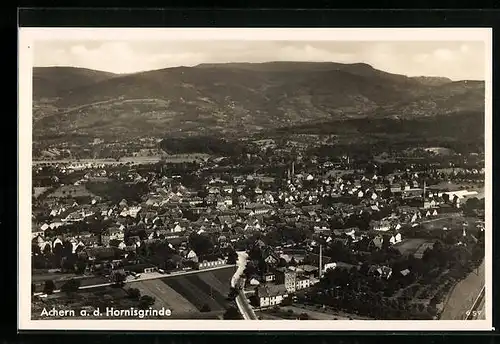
(237,97)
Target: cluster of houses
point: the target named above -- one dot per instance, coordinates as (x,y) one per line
(227,210)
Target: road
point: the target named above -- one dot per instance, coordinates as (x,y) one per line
(148,276)
(477,309)
(437,219)
(236,282)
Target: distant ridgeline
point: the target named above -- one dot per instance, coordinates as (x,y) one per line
(462,132)
(238,99)
(202,144)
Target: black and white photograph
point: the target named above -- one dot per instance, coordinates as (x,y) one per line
(189,179)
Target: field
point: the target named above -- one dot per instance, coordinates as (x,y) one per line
(409,246)
(450,222)
(186,295)
(313,312)
(37,191)
(183,295)
(463,295)
(205,288)
(165,296)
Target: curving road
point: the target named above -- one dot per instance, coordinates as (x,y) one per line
(237,281)
(477,309)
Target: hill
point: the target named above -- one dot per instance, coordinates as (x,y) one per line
(51,81)
(237,98)
(432,81)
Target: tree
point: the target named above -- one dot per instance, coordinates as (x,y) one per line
(303,316)
(71,286)
(68,262)
(232,257)
(114,242)
(205,308)
(146,301)
(118,278)
(233,292)
(262,266)
(49,287)
(80,266)
(35,250)
(47,251)
(200,244)
(134,293)
(232,314)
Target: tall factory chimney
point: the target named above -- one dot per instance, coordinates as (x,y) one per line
(320,259)
(423,195)
(293,168)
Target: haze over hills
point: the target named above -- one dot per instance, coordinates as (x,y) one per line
(236,98)
(51,81)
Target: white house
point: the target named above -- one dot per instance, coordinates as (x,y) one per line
(177,228)
(414,217)
(271,295)
(192,256)
(395,238)
(302,283)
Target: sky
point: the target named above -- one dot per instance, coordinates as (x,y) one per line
(452,59)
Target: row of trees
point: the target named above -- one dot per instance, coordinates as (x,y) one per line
(70,286)
(354,290)
(61,256)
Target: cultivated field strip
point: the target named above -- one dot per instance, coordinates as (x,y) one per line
(210,287)
(165,296)
(219,298)
(198,297)
(219,286)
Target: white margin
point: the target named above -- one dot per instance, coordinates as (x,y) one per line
(27,37)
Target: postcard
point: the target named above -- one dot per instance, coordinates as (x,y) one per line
(255,179)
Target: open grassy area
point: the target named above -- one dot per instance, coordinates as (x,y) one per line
(205,288)
(165,296)
(451,223)
(313,312)
(409,246)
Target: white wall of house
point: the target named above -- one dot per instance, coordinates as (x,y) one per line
(270,301)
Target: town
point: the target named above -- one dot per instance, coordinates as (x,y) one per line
(282,229)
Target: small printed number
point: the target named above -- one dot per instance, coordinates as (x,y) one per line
(473,313)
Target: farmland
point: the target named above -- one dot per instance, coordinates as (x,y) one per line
(409,246)
(313,313)
(184,296)
(205,288)
(165,296)
(455,222)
